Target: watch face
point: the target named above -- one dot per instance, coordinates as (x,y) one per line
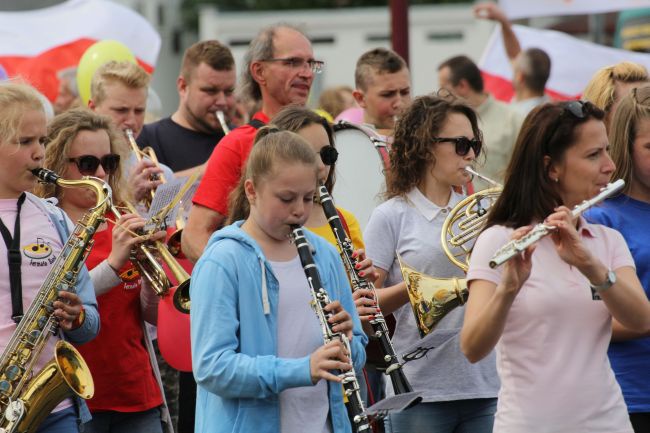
(611,278)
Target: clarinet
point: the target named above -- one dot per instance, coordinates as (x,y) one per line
(319,300)
(400,383)
(515,247)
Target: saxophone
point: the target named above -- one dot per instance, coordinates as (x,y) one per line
(319,300)
(400,383)
(26,398)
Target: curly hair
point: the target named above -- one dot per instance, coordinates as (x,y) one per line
(411,152)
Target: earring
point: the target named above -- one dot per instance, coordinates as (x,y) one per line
(556,180)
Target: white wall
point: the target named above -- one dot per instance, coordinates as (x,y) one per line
(436,33)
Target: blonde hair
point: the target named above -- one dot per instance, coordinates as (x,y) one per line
(15,99)
(272,150)
(634,108)
(126,73)
(601,89)
(62,131)
(333,101)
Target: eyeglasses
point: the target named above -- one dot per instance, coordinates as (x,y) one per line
(87,164)
(328,154)
(316,66)
(463,144)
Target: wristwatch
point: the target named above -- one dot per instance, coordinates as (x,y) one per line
(609,282)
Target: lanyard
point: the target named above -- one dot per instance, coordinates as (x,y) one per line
(15,258)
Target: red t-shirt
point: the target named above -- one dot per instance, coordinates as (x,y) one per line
(225,167)
(118,358)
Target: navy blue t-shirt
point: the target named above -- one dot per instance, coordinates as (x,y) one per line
(177,147)
(630,359)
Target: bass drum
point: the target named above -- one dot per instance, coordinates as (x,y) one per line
(360,169)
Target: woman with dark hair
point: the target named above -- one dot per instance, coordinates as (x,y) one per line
(629,213)
(435,140)
(551,312)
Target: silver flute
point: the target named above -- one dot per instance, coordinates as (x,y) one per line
(516,246)
(222,120)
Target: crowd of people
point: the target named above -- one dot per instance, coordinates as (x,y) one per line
(557,339)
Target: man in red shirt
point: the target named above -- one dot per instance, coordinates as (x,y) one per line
(279,68)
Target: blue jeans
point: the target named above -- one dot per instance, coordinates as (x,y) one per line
(148,421)
(63,421)
(461,416)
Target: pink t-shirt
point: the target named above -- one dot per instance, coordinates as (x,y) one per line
(552,355)
(40,246)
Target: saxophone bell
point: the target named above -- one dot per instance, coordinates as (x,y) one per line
(27,396)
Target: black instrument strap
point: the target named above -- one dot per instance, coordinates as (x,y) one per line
(256,123)
(14,257)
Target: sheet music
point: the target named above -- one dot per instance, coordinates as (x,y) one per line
(165,193)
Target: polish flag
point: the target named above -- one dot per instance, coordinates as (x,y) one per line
(573,61)
(36,44)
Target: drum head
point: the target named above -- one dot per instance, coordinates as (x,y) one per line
(360,169)
(174,334)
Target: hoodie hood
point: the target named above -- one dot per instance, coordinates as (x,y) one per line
(235,232)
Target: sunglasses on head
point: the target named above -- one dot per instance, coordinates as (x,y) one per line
(576,108)
(87,164)
(328,154)
(463,144)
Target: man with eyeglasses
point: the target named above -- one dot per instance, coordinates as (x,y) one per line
(279,69)
(498,122)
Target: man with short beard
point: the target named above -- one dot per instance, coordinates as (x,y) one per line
(185,140)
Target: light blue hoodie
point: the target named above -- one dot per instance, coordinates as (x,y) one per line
(234,324)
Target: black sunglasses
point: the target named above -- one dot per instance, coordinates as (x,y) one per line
(328,154)
(576,108)
(463,144)
(87,164)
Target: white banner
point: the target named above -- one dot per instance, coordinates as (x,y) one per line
(573,61)
(515,9)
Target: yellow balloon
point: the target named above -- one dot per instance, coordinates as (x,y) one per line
(95,56)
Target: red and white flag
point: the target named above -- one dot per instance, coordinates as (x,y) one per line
(515,9)
(36,44)
(573,61)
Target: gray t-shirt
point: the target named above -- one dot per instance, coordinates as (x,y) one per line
(412,226)
(306,408)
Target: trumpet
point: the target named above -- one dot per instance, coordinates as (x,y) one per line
(516,246)
(144,258)
(147,152)
(174,242)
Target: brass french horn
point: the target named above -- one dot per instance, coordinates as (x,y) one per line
(433,298)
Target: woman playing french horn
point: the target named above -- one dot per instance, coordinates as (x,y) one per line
(128,395)
(435,140)
(550,308)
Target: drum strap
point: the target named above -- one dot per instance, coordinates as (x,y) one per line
(256,123)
